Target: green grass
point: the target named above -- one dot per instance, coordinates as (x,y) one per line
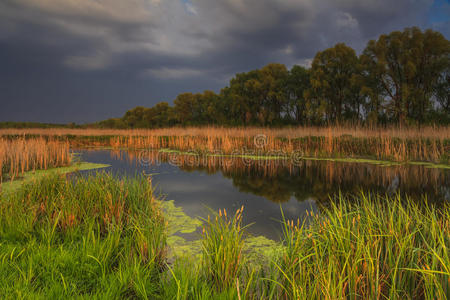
(107,238)
(222,245)
(95,237)
(370,247)
(367,247)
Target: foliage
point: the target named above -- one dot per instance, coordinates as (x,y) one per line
(362,247)
(408,70)
(401,78)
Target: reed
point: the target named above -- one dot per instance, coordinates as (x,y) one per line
(425,144)
(222,249)
(105,237)
(93,237)
(368,247)
(434,132)
(363,247)
(20,155)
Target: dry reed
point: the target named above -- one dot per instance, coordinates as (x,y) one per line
(423,144)
(289,132)
(20,155)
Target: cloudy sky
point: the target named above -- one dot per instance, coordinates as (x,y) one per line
(87,60)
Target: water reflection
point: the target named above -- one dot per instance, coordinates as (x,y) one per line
(278,180)
(199,183)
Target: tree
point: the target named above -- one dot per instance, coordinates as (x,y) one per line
(210,108)
(401,77)
(242,98)
(185,108)
(331,81)
(136,118)
(296,84)
(272,92)
(162,115)
(258,96)
(407,65)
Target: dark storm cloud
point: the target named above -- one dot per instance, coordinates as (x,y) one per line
(84,60)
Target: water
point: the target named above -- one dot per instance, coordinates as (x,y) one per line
(265,187)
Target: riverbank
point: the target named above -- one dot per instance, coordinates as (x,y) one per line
(103,236)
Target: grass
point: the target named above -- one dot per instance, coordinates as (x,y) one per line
(367,247)
(222,249)
(106,237)
(96,237)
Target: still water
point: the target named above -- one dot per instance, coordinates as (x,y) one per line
(265,187)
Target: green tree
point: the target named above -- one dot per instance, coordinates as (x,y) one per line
(136,118)
(298,82)
(408,66)
(185,107)
(242,98)
(210,108)
(272,93)
(331,82)
(162,115)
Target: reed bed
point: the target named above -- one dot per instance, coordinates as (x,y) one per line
(425,144)
(436,132)
(18,156)
(382,148)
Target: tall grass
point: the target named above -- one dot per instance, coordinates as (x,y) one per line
(20,155)
(366,247)
(91,237)
(104,237)
(222,249)
(442,132)
(424,144)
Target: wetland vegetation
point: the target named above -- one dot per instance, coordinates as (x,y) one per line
(352,153)
(106,237)
(380,228)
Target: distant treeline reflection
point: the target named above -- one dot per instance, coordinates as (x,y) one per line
(279,180)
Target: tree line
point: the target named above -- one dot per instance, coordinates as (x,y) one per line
(402,78)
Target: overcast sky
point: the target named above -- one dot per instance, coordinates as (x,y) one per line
(88,60)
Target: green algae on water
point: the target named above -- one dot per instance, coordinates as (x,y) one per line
(11,186)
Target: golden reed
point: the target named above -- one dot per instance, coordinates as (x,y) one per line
(398,144)
(20,155)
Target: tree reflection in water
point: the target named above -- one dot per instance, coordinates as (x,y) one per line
(279,180)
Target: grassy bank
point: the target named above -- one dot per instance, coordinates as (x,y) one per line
(389,144)
(96,237)
(106,237)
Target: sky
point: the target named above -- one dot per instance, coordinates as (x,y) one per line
(83,61)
